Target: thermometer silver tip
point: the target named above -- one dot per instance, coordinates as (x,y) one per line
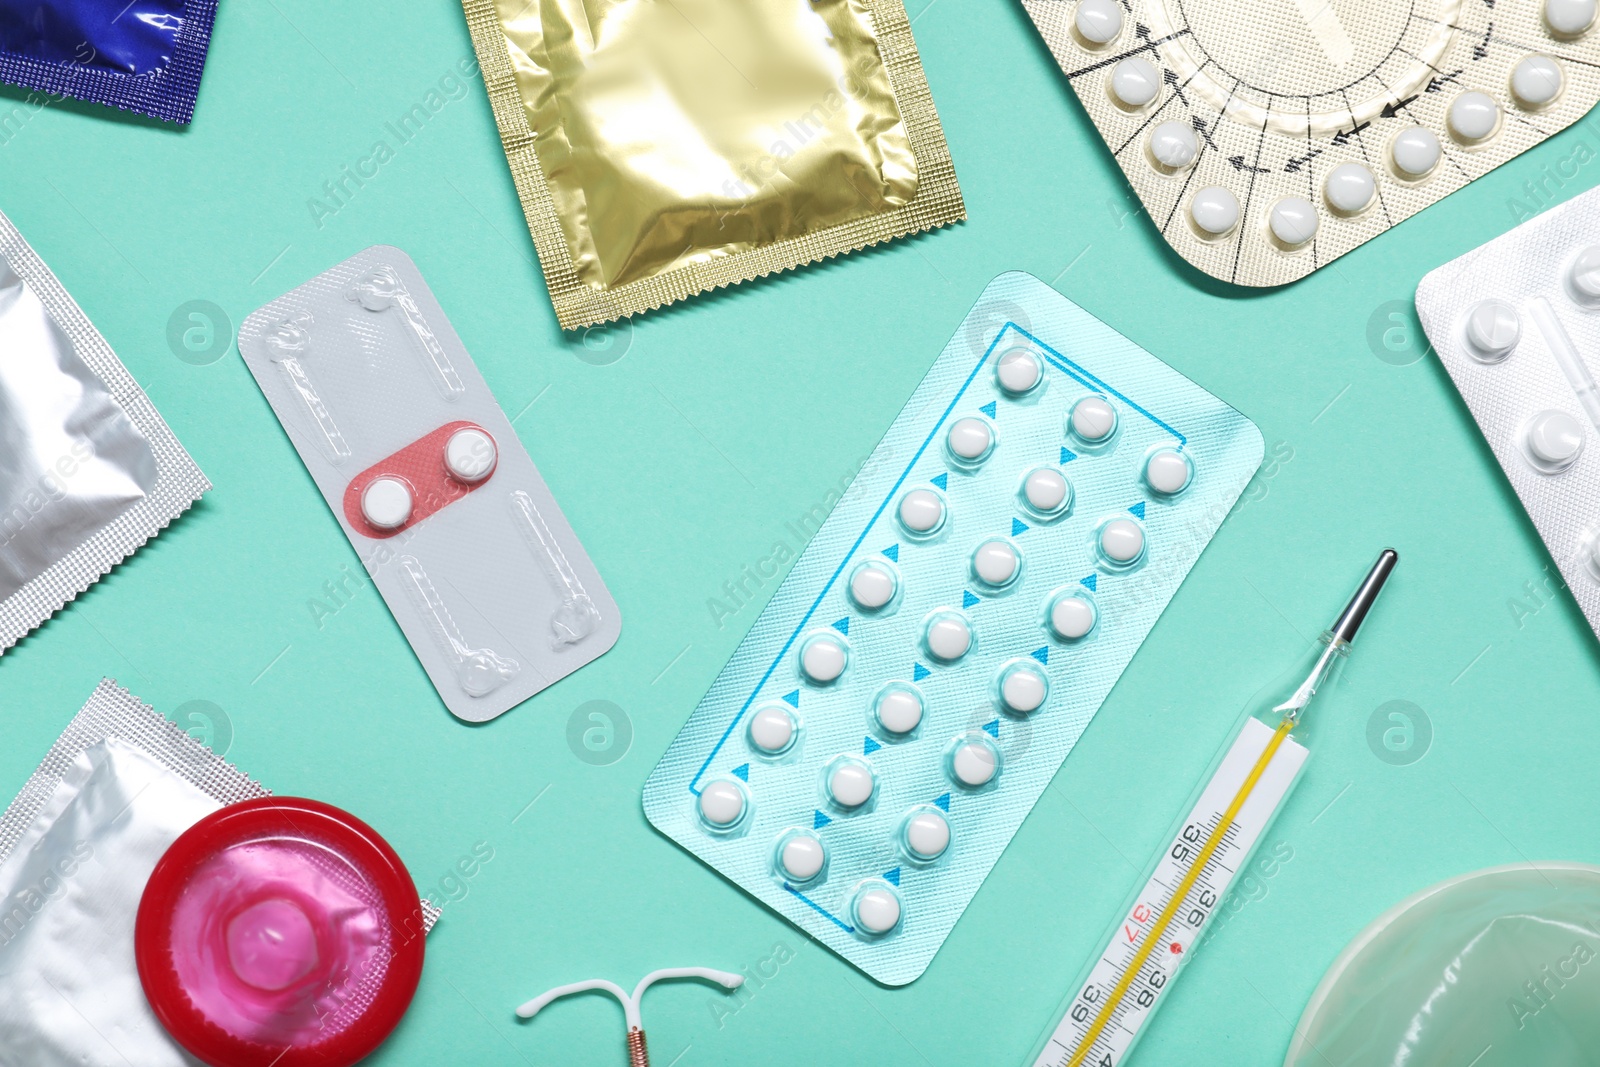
(1350,620)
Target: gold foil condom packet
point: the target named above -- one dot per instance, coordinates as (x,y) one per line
(666,147)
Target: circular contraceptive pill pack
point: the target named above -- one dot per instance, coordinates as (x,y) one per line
(932,656)
(1266,141)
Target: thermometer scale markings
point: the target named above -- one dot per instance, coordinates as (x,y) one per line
(1254,777)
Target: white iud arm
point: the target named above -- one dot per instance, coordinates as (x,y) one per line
(638,1055)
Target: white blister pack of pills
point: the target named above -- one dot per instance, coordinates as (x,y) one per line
(1517,324)
(924,669)
(1268,139)
(428,479)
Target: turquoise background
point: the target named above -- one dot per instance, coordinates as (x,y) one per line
(677,463)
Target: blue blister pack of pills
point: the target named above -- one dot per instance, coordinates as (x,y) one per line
(916,681)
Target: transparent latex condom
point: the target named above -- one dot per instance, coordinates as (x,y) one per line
(1498,968)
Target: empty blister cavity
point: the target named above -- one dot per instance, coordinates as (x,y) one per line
(1047,492)
(381,289)
(947,635)
(577,617)
(996,563)
(898,708)
(723,804)
(823,657)
(922,512)
(288,342)
(1350,188)
(480,671)
(1071,615)
(925,834)
(1120,542)
(972,761)
(1093,420)
(874,584)
(1415,152)
(1173,145)
(1019,370)
(1168,471)
(1023,687)
(1135,82)
(1473,117)
(1493,329)
(1569,18)
(1293,221)
(800,856)
(876,908)
(1214,212)
(773,730)
(1536,81)
(970,440)
(850,782)
(1097,22)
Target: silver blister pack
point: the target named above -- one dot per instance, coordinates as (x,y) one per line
(1516,322)
(88,470)
(430,483)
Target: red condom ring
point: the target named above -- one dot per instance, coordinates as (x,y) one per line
(279,932)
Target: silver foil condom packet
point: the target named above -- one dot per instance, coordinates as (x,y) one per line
(88,469)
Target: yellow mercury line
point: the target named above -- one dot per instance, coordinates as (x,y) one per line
(1165,918)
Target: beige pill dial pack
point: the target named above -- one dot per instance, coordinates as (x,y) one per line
(1517,324)
(430,483)
(935,653)
(1268,139)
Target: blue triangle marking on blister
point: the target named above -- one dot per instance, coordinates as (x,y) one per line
(819,820)
(988,409)
(992,729)
(942,802)
(1138,510)
(742,772)
(892,877)
(1042,655)
(967,599)
(1018,526)
(919,672)
(843,626)
(1090,582)
(1066,456)
(892,553)
(792,699)
(943,481)
(869,746)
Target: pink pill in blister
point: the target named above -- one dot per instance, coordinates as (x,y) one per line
(279,932)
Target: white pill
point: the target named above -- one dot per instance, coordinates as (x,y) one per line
(872,586)
(721,804)
(1173,144)
(1135,82)
(1121,540)
(772,730)
(995,562)
(1023,690)
(801,857)
(921,510)
(1098,21)
(850,784)
(1350,188)
(386,503)
(1473,116)
(1584,276)
(1554,438)
(1045,490)
(927,835)
(1569,17)
(970,438)
(974,763)
(823,659)
(1493,329)
(1293,220)
(1536,81)
(1415,152)
(470,455)
(1019,370)
(948,637)
(1167,471)
(1215,211)
(1093,418)
(898,710)
(1071,617)
(878,910)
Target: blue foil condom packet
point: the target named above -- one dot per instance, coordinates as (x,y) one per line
(916,681)
(138,55)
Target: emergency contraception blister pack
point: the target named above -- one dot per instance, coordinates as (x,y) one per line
(430,483)
(1268,139)
(918,678)
(1517,324)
